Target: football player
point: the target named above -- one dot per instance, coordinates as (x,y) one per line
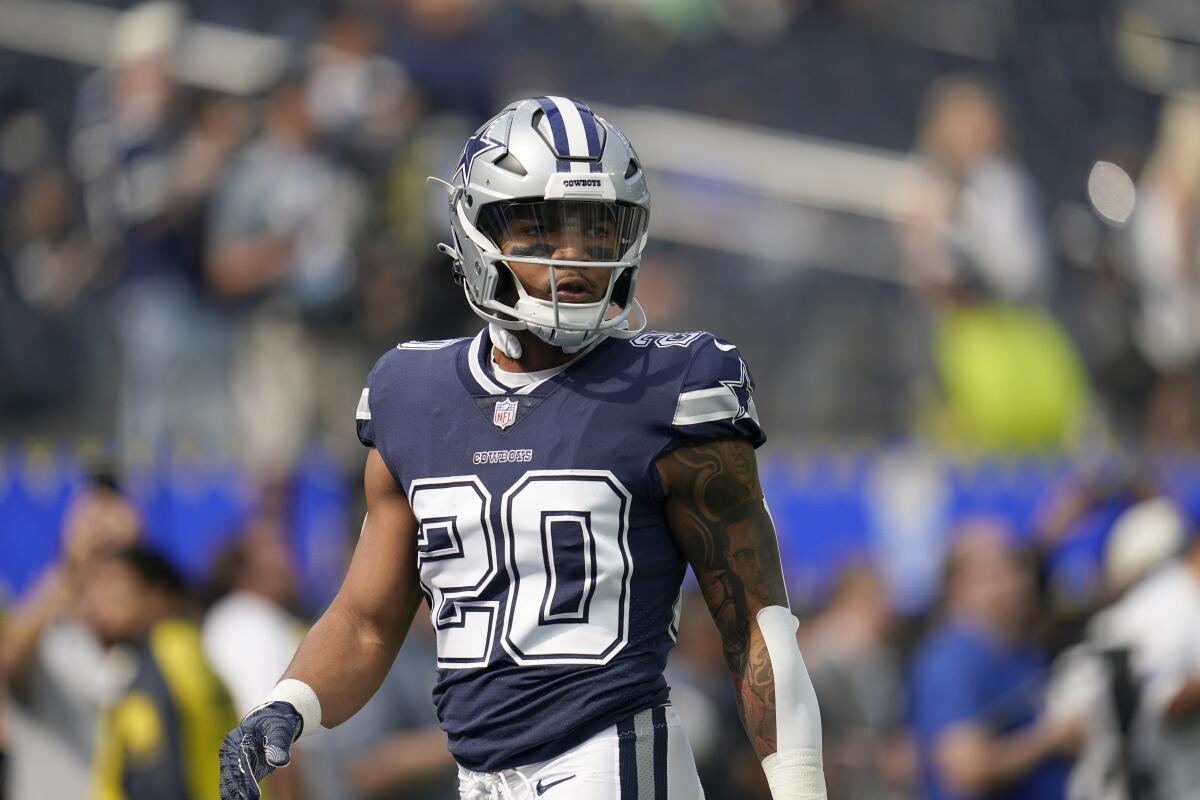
(543,486)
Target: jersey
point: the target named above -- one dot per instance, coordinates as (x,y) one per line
(159,738)
(552,580)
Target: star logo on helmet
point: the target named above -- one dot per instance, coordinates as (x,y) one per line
(477,145)
(742,390)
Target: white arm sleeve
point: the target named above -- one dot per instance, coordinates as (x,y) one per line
(794,771)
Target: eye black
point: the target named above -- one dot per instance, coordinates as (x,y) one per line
(538,250)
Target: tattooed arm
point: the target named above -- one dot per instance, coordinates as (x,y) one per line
(716,514)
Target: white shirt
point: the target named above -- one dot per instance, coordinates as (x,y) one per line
(249,641)
(52,721)
(518,380)
(1159,621)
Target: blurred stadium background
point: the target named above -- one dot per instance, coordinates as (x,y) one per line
(958,242)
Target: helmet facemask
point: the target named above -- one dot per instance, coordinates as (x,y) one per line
(567,269)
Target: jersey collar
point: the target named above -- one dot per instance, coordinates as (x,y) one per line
(475,372)
(480,380)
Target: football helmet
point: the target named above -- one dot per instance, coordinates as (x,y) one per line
(556,185)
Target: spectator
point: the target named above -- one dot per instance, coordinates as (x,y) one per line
(140,188)
(972,211)
(251,633)
(158,736)
(358,100)
(857,678)
(1096,679)
(1158,622)
(1142,539)
(45,266)
(284,216)
(280,240)
(1076,518)
(972,242)
(255,613)
(977,682)
(52,663)
(443,45)
(1164,236)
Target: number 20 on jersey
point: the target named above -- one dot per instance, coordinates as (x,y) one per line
(564,547)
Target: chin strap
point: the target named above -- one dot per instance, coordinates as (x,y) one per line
(628,330)
(631,328)
(510,345)
(505,339)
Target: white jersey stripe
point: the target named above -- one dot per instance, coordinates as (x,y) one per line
(710,405)
(432,344)
(364,408)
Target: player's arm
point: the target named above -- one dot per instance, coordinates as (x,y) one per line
(715,510)
(23,631)
(345,656)
(973,760)
(349,650)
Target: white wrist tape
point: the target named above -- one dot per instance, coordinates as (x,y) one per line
(795,775)
(303,698)
(794,772)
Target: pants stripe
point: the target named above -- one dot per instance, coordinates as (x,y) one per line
(659,716)
(642,755)
(643,726)
(627,759)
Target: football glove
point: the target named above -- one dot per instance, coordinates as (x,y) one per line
(257,747)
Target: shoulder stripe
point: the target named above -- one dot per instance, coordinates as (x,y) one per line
(432,344)
(710,405)
(364,407)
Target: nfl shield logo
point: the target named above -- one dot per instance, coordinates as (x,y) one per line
(505,413)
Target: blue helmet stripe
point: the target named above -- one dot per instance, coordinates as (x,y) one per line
(558,130)
(589,130)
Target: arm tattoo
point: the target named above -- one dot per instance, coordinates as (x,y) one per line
(716,514)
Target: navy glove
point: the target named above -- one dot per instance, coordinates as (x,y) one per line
(254,749)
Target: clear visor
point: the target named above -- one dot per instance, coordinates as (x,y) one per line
(570,230)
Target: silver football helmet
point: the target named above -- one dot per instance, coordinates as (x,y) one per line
(549,182)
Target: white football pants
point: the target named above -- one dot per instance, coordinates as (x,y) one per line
(646,757)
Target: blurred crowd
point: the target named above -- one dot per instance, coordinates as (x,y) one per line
(184,266)
(121,680)
(205,268)
(185,270)
(121,677)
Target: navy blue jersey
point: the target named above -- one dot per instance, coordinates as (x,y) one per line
(552,580)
